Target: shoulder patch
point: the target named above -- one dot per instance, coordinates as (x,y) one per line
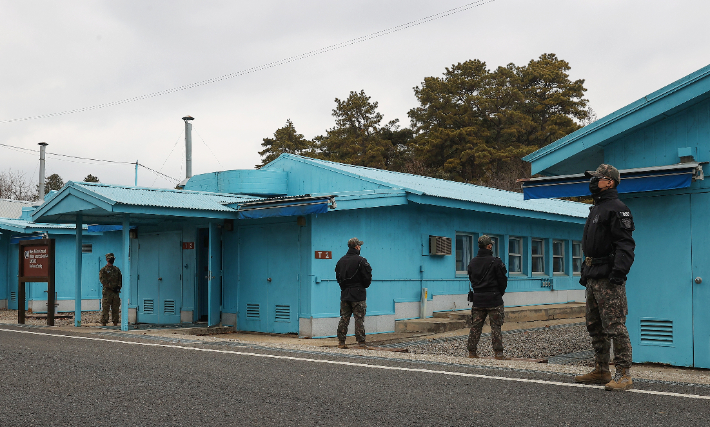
(626,220)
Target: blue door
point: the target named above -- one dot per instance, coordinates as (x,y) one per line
(214,275)
(159,281)
(701,270)
(269,262)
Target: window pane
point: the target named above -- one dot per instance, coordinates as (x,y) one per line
(537,247)
(558,265)
(576,249)
(558,248)
(464,251)
(577,265)
(538,265)
(514,246)
(515,264)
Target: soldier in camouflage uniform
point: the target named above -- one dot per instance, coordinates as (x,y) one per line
(354,275)
(609,252)
(489,281)
(112,281)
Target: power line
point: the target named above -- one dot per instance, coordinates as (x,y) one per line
(269,65)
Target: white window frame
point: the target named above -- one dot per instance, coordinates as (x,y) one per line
(562,257)
(577,272)
(521,246)
(472,251)
(534,257)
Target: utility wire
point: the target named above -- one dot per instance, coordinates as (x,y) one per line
(269,65)
(166,159)
(208,147)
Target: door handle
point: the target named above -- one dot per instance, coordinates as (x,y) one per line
(269,279)
(698,280)
(160,278)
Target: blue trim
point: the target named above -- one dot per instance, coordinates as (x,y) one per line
(286,209)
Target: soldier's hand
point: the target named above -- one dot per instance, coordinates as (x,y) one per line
(616,278)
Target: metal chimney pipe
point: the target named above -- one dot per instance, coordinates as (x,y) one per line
(42,147)
(188,146)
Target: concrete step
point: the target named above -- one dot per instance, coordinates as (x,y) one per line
(452,320)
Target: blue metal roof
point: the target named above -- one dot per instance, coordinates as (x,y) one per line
(163,198)
(688,90)
(23,226)
(434,187)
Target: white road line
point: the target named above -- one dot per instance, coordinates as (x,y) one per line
(363,365)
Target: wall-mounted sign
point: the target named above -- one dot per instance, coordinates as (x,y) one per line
(35,261)
(188,245)
(324,255)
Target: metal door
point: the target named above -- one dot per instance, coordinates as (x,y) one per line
(269,278)
(700,280)
(159,284)
(214,275)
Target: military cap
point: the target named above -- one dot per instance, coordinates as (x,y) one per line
(110,255)
(354,242)
(484,241)
(605,171)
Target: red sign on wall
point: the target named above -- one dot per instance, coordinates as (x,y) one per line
(188,245)
(35,261)
(324,255)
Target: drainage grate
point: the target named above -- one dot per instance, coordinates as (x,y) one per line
(656,332)
(283,313)
(169,307)
(253,311)
(148,306)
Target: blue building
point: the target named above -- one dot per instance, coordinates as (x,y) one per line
(256,249)
(661,145)
(95,245)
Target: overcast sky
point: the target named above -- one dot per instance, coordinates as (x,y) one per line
(75,55)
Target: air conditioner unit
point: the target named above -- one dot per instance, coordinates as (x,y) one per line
(439,245)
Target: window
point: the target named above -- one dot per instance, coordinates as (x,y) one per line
(464,252)
(577,257)
(515,255)
(538,256)
(558,256)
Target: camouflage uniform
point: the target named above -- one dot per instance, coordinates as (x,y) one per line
(478,317)
(358,309)
(112,281)
(606,321)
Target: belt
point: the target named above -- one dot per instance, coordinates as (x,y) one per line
(589,261)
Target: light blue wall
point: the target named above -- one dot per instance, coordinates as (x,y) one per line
(396,245)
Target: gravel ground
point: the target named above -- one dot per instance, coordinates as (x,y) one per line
(527,344)
(87,318)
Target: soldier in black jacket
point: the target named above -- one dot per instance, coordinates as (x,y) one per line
(354,276)
(489,280)
(609,252)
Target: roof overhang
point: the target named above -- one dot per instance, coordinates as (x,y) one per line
(632,181)
(584,149)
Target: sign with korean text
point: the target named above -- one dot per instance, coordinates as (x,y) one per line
(35,260)
(324,255)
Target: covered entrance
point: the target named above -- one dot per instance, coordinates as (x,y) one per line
(158,258)
(269,278)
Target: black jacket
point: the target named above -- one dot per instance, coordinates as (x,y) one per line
(607,238)
(354,275)
(488,291)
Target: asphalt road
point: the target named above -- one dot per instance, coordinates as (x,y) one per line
(71,379)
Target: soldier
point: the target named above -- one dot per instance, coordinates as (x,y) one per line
(354,276)
(609,252)
(489,280)
(111,279)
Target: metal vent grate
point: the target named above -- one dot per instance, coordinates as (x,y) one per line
(439,245)
(13,296)
(148,306)
(169,307)
(656,332)
(282,313)
(253,311)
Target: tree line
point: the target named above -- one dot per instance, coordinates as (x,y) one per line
(471,125)
(15,185)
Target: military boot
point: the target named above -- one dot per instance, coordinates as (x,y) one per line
(622,380)
(472,355)
(600,375)
(341,344)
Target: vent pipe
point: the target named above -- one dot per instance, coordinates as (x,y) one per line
(42,147)
(188,146)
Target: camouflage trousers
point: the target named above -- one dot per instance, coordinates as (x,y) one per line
(352,308)
(112,301)
(606,321)
(478,317)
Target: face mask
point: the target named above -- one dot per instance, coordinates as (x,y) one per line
(594,185)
